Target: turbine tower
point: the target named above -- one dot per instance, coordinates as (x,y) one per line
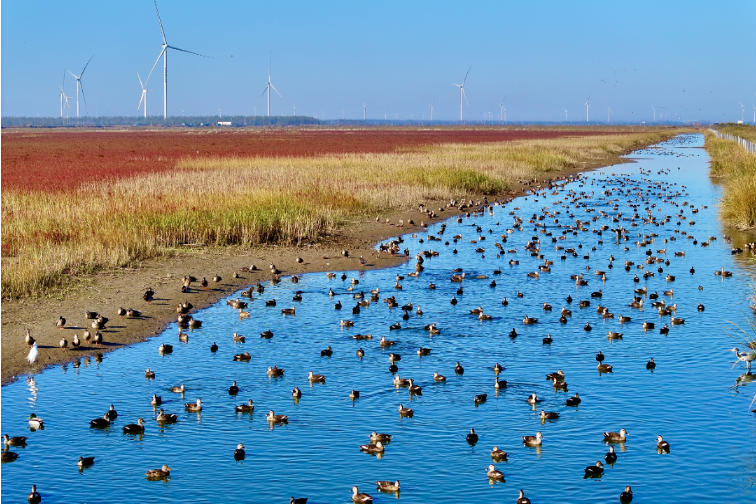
(164,54)
(364,111)
(431,111)
(652,108)
(502,110)
(62,93)
(144,95)
(79,87)
(608,111)
(754,113)
(565,115)
(295,110)
(462,93)
(270,85)
(742,112)
(587,104)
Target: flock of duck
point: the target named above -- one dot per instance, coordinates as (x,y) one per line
(554,231)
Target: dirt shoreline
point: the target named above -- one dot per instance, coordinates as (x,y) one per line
(105,292)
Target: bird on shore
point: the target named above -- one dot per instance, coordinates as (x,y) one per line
(33,354)
(746,356)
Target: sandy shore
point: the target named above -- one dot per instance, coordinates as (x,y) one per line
(106,292)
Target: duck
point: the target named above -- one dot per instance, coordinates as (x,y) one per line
(239,453)
(438,377)
(346,323)
(100,423)
(415,389)
(289,311)
(620,436)
(111,414)
(63,343)
(98,339)
(472,437)
(647,325)
(388,486)
(233,389)
(458,369)
(61,323)
(533,398)
(165,348)
(246,356)
(497,454)
(529,320)
(157,474)
(500,384)
(483,316)
(676,321)
(14,441)
(626,497)
(587,327)
(275,371)
(548,415)
(316,378)
(662,445)
(383,438)
(405,412)
(594,470)
(164,417)
(354,394)
(522,499)
(327,352)
(559,384)
(497,368)
(392,327)
(373,448)
(296,393)
(536,440)
(273,418)
(156,400)
(178,389)
(213,347)
(423,351)
(266,334)
(573,401)
(360,498)
(34,497)
(494,474)
(195,406)
(651,364)
(559,375)
(623,319)
(137,428)
(238,338)
(604,368)
(386,343)
(610,456)
(614,335)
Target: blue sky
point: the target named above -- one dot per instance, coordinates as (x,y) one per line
(696,58)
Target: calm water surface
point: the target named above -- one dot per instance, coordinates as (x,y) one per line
(692,398)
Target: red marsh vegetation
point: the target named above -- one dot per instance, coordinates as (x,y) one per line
(58,160)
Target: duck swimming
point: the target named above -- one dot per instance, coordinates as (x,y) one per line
(360,498)
(158,474)
(536,440)
(388,486)
(494,474)
(661,445)
(610,456)
(137,428)
(573,401)
(164,417)
(373,448)
(626,497)
(620,436)
(273,418)
(497,454)
(594,471)
(194,406)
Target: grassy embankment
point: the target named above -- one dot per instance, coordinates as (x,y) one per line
(46,238)
(736,170)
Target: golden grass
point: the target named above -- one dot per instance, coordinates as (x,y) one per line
(736,169)
(248,201)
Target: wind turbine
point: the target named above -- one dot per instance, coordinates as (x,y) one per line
(270,85)
(608,112)
(364,111)
(565,115)
(62,93)
(742,112)
(462,93)
(754,113)
(502,110)
(164,54)
(431,111)
(79,87)
(295,110)
(587,104)
(652,108)
(144,96)
(220,113)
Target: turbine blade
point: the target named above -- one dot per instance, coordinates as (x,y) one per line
(468,72)
(465,95)
(161,23)
(190,52)
(140,101)
(85,67)
(83,96)
(264,90)
(153,66)
(140,80)
(276,90)
(75,76)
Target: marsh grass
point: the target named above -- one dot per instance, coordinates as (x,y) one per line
(736,169)
(247,201)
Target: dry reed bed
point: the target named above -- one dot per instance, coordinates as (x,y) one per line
(736,169)
(252,200)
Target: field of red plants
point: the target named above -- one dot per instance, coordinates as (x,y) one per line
(55,161)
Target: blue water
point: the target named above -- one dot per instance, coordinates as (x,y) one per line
(692,397)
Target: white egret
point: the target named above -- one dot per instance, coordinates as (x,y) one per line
(33,353)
